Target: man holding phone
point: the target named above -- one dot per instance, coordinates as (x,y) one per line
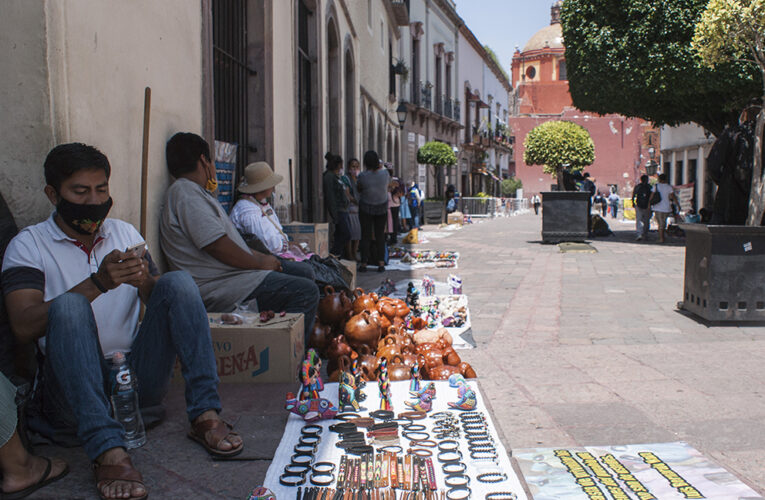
(74,285)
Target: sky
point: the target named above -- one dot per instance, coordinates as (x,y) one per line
(503,24)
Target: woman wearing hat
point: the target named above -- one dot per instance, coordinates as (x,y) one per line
(253,215)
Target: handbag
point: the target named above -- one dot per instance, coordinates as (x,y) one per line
(655,198)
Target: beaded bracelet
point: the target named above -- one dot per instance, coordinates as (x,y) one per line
(453,445)
(454,493)
(491,477)
(457,481)
(501,495)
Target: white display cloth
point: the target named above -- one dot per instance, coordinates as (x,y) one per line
(328,452)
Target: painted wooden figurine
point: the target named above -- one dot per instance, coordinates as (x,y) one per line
(384,385)
(310,376)
(310,409)
(348,392)
(414,385)
(466,398)
(423,403)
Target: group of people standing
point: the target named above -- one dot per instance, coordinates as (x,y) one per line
(367,209)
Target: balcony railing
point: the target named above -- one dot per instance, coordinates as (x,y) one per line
(426,90)
(456,110)
(448,107)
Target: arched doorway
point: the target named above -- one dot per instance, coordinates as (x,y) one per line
(389,147)
(380,136)
(371,132)
(308,125)
(350,105)
(334,91)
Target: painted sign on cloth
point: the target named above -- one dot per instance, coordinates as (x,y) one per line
(639,471)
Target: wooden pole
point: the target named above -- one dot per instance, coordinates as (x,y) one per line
(145,158)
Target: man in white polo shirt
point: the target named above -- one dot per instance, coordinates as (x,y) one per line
(71,287)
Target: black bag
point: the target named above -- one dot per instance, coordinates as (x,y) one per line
(655,197)
(331,272)
(642,195)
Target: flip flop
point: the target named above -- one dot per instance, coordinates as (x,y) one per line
(44,481)
(122,471)
(220,431)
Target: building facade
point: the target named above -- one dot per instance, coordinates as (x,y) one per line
(541,94)
(486,150)
(684,152)
(429,90)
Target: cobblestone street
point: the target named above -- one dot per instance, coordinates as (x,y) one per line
(572,349)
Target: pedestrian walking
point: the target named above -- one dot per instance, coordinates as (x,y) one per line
(372,186)
(414,199)
(394,206)
(354,226)
(603,204)
(641,200)
(336,203)
(536,201)
(613,202)
(662,199)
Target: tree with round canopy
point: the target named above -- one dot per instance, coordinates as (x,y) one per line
(558,146)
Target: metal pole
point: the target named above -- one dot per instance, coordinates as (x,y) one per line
(145,158)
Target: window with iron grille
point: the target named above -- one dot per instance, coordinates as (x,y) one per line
(230,74)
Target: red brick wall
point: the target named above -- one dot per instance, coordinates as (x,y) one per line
(618,142)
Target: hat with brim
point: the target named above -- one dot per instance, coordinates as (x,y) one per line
(258,177)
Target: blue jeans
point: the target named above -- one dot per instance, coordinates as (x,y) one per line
(284,292)
(342,234)
(76,382)
(299,269)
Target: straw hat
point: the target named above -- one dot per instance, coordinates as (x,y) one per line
(258,177)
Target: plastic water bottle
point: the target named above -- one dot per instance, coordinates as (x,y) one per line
(125,402)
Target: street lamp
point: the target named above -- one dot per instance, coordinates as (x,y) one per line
(651,165)
(401,114)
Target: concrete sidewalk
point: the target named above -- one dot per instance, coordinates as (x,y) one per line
(573,349)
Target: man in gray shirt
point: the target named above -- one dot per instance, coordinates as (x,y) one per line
(197,236)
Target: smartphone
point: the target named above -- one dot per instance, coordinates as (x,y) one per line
(138,250)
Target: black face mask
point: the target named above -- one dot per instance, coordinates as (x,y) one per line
(83,218)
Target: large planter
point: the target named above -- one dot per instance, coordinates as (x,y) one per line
(564,216)
(433,211)
(724,272)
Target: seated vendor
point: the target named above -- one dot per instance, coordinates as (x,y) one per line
(198,236)
(254,215)
(72,286)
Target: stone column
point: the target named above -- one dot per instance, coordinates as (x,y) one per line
(685,166)
(701,178)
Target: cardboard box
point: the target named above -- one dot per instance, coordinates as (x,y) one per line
(256,352)
(455,218)
(315,235)
(351,266)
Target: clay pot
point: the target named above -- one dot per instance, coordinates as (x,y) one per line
(441,372)
(361,329)
(451,357)
(363,301)
(467,371)
(335,308)
(419,324)
(431,358)
(380,319)
(337,348)
(369,363)
(397,370)
(410,358)
(389,349)
(320,337)
(343,364)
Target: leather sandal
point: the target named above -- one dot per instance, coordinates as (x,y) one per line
(122,471)
(219,430)
(43,481)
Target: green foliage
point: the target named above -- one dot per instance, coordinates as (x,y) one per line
(730,30)
(554,144)
(635,58)
(493,55)
(436,153)
(510,186)
(482,195)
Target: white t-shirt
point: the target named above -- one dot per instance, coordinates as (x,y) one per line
(43,257)
(664,205)
(261,221)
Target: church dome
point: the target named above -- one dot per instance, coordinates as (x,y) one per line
(550,36)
